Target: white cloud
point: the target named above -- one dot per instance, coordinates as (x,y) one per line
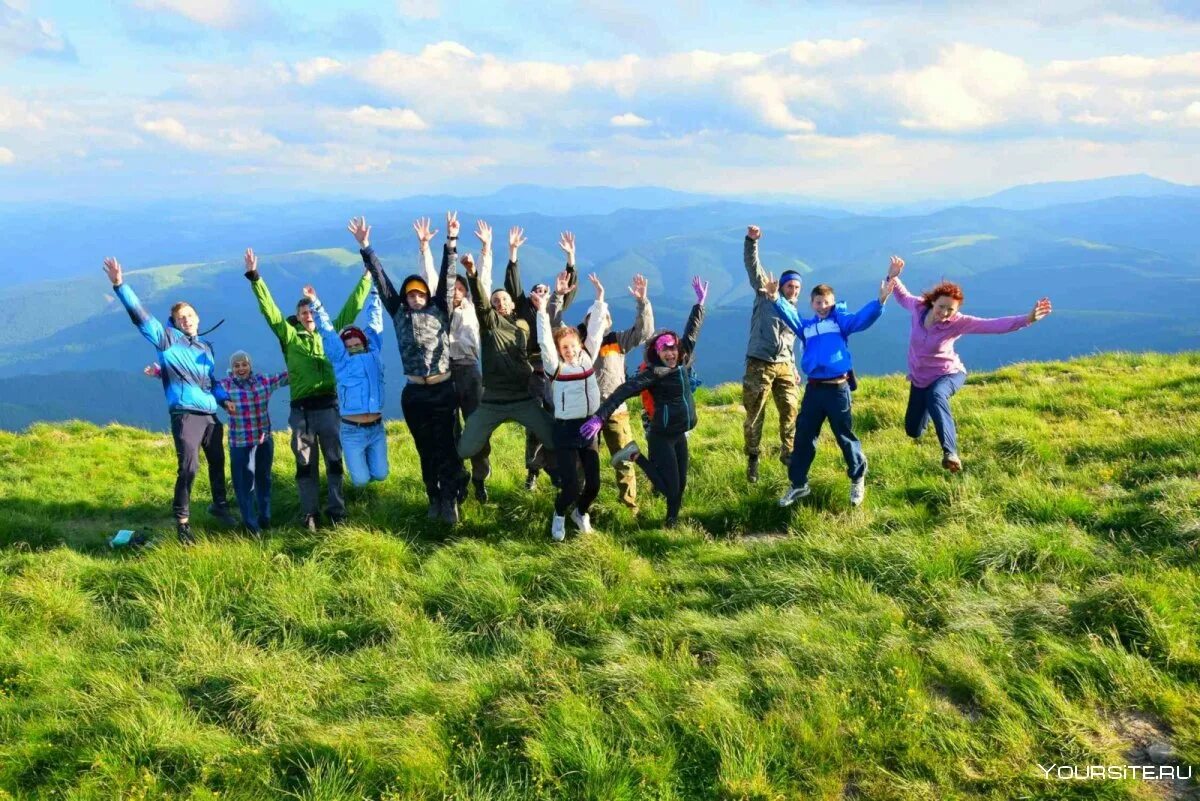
(21,33)
(398,119)
(825,51)
(1126,67)
(968,88)
(219,14)
(628,120)
(173,131)
(6,156)
(312,70)
(229,140)
(419,9)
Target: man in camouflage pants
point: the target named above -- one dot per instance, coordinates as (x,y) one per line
(770,361)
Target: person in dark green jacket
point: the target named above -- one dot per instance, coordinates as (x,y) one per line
(314,419)
(505,340)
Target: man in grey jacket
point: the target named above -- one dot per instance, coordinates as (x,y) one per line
(770,360)
(610,374)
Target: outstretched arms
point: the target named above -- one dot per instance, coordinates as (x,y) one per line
(1002,325)
(266,303)
(149,326)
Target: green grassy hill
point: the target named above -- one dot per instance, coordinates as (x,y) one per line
(941,642)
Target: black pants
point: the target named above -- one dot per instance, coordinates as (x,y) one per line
(192,433)
(468,387)
(538,454)
(667,468)
(570,452)
(431,413)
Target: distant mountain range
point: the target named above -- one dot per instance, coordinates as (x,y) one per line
(1123,272)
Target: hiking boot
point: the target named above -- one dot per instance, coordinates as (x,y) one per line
(952,463)
(184,531)
(450,513)
(481,493)
(531,481)
(858,491)
(558,528)
(626,454)
(582,521)
(752,469)
(794,494)
(309,523)
(221,512)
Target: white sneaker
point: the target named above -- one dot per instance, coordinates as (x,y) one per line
(794,494)
(858,491)
(558,528)
(626,454)
(583,522)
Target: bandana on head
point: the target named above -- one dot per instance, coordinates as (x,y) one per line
(351,331)
(788,275)
(665,341)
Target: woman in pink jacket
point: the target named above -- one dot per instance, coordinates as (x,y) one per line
(934,370)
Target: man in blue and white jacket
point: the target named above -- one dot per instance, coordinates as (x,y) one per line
(826,363)
(194,397)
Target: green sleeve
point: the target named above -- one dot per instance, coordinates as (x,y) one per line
(354,304)
(270,311)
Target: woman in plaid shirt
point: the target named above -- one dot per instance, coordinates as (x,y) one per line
(251,449)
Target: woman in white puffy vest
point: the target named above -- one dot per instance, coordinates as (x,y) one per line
(576,396)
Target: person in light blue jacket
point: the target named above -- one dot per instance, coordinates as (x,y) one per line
(194,396)
(830,372)
(357,358)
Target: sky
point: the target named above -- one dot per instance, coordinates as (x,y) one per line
(109,101)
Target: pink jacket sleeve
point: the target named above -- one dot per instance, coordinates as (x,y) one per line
(904,297)
(966,324)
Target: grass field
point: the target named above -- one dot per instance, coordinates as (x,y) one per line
(942,642)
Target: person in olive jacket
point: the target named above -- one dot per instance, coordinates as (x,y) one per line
(314,418)
(668,379)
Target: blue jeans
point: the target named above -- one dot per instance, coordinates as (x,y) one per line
(364,451)
(823,401)
(252,481)
(933,402)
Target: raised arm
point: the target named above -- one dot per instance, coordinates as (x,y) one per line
(483,310)
(512,275)
(362,234)
(483,232)
(596,315)
(425,235)
(334,348)
(449,253)
(643,322)
(266,304)
(903,296)
(566,241)
(375,319)
(967,324)
(545,335)
(861,320)
(754,270)
(691,330)
(355,303)
(146,323)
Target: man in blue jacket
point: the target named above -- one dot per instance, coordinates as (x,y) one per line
(827,365)
(193,394)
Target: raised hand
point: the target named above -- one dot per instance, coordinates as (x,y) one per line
(595,279)
(562,283)
(251,261)
(310,292)
(1040,310)
(638,290)
(112,268)
(468,263)
(483,232)
(516,238)
(700,288)
(425,233)
(895,268)
(886,286)
(539,300)
(566,241)
(753,231)
(152,370)
(591,427)
(771,286)
(452,224)
(362,232)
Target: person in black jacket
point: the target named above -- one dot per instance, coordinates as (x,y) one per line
(668,378)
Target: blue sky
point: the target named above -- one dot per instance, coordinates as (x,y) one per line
(136,99)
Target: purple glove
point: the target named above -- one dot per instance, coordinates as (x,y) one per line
(591,427)
(701,289)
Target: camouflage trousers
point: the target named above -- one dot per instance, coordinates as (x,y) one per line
(617,434)
(775,380)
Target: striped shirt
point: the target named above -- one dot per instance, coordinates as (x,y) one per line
(250,424)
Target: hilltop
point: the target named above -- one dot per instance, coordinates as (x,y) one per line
(941,642)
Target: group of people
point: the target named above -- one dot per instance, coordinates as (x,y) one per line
(475,357)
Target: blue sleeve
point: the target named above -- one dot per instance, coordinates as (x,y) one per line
(788,313)
(334,348)
(860,320)
(150,327)
(375,319)
(218,388)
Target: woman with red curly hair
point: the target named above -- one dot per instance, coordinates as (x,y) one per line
(935,372)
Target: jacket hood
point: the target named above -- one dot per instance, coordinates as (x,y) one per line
(411,279)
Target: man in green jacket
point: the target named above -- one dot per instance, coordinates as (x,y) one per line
(314,418)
